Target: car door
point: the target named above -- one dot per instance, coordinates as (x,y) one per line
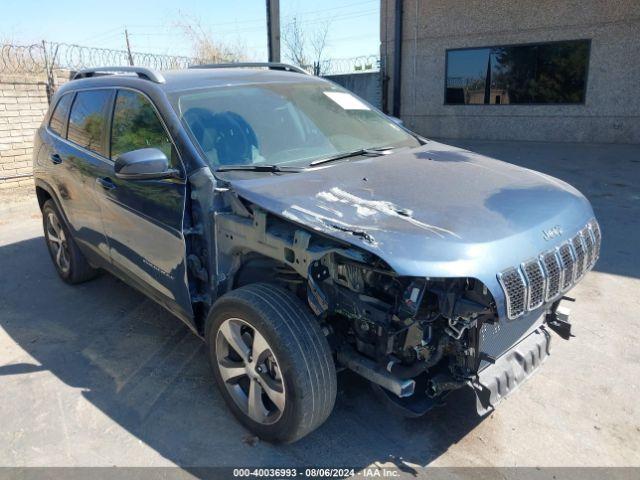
(78,155)
(143,218)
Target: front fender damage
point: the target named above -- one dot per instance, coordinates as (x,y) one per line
(399,331)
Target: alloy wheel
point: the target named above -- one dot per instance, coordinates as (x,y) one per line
(57,241)
(250,371)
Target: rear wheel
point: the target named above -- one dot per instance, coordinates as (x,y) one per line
(271,362)
(67,258)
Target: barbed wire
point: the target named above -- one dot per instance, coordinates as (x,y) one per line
(337,66)
(22,59)
(37,58)
(76,57)
(47,57)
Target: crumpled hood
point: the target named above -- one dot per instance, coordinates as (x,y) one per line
(436,210)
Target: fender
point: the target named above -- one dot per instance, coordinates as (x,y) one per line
(44,185)
(93,259)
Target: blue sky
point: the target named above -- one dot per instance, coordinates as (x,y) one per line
(354,24)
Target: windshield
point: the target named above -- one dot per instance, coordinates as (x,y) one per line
(284,124)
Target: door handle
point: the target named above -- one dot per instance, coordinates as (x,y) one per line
(55,159)
(106,183)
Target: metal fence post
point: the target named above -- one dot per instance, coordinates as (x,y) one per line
(49,82)
(384,85)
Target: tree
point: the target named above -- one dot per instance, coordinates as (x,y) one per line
(306,48)
(205,48)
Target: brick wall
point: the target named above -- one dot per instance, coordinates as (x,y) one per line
(23,103)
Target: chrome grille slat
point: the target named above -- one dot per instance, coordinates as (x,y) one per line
(597,237)
(588,243)
(544,279)
(579,249)
(536,283)
(553,272)
(513,282)
(568,265)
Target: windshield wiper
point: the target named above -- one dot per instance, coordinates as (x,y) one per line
(258,168)
(371,152)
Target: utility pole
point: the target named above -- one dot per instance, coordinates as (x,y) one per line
(126,36)
(273,29)
(397,60)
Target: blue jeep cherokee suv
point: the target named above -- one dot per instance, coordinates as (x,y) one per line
(295,228)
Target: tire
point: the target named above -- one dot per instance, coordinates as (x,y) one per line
(67,258)
(304,376)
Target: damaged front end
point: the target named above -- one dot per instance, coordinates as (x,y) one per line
(416,339)
(421,284)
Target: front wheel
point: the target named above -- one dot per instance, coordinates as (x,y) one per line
(271,362)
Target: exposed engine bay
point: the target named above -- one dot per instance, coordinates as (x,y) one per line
(410,326)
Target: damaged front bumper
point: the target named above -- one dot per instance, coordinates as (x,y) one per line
(499,376)
(500,379)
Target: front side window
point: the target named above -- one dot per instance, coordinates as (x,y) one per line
(136,125)
(88,120)
(283,123)
(58,122)
(545,73)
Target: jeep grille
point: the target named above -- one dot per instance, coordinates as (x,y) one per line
(544,279)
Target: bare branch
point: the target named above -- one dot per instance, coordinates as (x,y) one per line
(319,40)
(294,42)
(306,47)
(205,48)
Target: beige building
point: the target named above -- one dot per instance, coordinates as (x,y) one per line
(540,70)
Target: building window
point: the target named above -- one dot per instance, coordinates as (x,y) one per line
(543,73)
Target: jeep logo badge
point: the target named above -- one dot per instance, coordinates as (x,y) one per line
(553,232)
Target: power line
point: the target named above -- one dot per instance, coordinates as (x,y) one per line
(108,33)
(261,20)
(347,16)
(332,19)
(355,37)
(324,10)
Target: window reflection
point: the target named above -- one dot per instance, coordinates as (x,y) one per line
(544,73)
(88,119)
(59,117)
(467,75)
(136,125)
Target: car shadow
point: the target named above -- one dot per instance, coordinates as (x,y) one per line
(148,373)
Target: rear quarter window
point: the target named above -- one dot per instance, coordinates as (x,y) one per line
(88,120)
(58,121)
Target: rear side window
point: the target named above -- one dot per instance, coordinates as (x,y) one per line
(58,122)
(88,120)
(136,125)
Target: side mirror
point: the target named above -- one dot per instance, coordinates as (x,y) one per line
(396,120)
(144,164)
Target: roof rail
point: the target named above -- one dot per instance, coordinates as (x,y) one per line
(142,72)
(270,65)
